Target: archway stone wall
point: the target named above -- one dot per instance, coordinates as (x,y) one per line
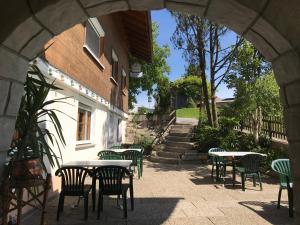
(273,26)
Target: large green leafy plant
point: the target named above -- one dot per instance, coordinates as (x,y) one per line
(32,140)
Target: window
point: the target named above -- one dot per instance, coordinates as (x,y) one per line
(83,124)
(94,38)
(124,79)
(119,131)
(114,67)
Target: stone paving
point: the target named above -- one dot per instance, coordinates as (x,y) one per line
(183,195)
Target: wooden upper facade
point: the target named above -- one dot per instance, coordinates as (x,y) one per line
(102,65)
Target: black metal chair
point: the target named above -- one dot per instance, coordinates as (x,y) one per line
(73,184)
(250,167)
(136,158)
(111,183)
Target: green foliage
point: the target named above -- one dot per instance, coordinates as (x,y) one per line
(154,71)
(254,84)
(149,115)
(162,96)
(145,142)
(32,138)
(190,103)
(207,137)
(227,124)
(190,86)
(142,110)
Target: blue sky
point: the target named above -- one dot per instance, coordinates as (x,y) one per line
(176,62)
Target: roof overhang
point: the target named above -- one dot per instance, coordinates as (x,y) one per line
(138,30)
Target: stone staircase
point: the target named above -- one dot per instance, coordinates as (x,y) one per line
(178,146)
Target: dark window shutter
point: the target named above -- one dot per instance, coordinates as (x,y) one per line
(92,40)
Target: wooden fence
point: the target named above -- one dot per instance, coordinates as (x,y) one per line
(272,126)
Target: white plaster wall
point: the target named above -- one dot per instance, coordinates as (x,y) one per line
(104,125)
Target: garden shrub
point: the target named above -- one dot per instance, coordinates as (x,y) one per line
(207,137)
(146,143)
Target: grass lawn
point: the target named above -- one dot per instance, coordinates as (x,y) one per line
(188,113)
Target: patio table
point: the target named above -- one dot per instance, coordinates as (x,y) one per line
(232,156)
(97,163)
(120,150)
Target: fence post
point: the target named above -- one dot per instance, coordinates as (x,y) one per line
(270,128)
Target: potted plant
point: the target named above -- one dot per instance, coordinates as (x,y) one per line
(32,142)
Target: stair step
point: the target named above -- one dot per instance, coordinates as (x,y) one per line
(167,154)
(180,131)
(175,149)
(189,156)
(183,126)
(178,138)
(174,134)
(158,159)
(186,145)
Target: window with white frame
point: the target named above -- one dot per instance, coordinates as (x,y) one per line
(119,131)
(94,38)
(114,66)
(84,121)
(124,79)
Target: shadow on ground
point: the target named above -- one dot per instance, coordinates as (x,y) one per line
(152,211)
(267,212)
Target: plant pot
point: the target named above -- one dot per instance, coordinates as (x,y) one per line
(27,169)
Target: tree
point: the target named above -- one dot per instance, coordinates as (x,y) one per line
(200,40)
(256,91)
(154,71)
(162,96)
(190,86)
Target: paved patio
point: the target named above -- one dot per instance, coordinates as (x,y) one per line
(183,195)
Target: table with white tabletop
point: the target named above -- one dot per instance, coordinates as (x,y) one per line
(97,163)
(233,156)
(120,150)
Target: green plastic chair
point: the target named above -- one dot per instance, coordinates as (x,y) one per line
(135,156)
(250,167)
(217,161)
(116,147)
(109,155)
(142,155)
(283,168)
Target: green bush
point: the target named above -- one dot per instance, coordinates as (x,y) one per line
(146,143)
(207,137)
(227,124)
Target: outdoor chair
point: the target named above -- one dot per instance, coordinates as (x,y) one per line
(109,155)
(116,147)
(283,168)
(218,161)
(142,155)
(111,183)
(73,184)
(250,167)
(136,158)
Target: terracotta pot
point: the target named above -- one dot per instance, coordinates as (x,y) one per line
(27,169)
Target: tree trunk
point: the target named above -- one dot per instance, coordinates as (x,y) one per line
(214,57)
(202,67)
(255,123)
(214,110)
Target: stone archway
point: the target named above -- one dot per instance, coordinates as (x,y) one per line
(273,26)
